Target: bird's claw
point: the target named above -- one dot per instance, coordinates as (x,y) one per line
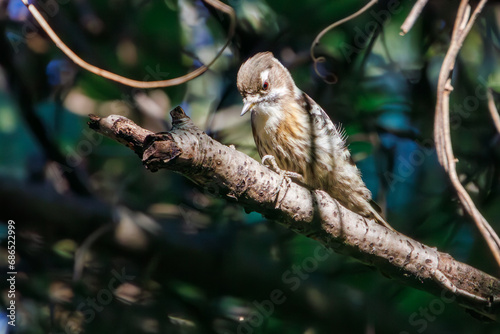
(270,162)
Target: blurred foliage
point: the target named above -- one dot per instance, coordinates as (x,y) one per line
(104,246)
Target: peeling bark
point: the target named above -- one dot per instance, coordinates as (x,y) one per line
(188,150)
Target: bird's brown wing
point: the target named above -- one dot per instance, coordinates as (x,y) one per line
(322,125)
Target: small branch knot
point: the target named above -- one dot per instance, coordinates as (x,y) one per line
(160,148)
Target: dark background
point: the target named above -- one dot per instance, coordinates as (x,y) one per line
(105,246)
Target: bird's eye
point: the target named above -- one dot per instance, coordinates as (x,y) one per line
(265,85)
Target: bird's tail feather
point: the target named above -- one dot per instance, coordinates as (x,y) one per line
(376,212)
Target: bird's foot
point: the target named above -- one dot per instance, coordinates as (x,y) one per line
(287,176)
(270,162)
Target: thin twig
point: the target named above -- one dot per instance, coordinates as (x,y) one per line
(463,24)
(330,27)
(126,81)
(412,17)
(493,110)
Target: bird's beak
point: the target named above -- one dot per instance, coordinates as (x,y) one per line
(247,107)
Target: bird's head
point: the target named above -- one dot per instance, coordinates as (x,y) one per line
(264,83)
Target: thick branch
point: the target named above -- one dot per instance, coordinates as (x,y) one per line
(189,151)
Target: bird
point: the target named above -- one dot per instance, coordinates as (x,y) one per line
(294,135)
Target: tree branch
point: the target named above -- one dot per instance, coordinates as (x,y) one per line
(126,81)
(315,43)
(188,150)
(412,17)
(493,110)
(463,24)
